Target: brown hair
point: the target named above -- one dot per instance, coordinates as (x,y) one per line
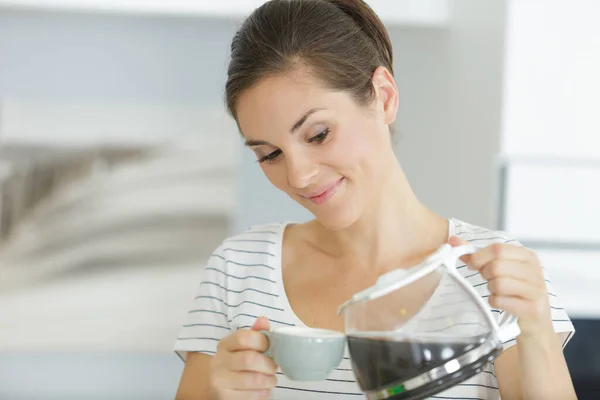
(341,41)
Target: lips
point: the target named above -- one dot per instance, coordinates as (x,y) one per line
(324,193)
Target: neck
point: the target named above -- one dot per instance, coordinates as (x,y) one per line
(396,230)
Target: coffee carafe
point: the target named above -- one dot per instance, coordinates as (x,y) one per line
(422,330)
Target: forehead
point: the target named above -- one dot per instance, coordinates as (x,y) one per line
(276,102)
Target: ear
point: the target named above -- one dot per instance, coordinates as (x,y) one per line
(386,94)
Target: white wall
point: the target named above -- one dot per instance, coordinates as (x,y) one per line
(409,12)
(164,72)
(80,123)
(109,58)
(451,92)
(552,86)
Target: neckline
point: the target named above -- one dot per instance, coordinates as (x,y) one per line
(278,251)
(280,286)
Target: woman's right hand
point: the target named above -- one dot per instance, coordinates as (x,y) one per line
(240,369)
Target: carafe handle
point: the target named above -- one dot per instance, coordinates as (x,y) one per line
(508,328)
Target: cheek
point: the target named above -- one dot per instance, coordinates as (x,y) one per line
(357,150)
(275,173)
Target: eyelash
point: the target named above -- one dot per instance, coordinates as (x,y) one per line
(272,157)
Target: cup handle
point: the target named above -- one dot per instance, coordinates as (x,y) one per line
(269,351)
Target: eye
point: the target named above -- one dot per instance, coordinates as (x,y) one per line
(320,137)
(269,158)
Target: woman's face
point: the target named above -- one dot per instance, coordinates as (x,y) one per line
(323,149)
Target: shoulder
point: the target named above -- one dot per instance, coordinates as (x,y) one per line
(258,245)
(480,236)
(257,236)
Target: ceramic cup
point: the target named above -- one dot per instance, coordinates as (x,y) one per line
(306,354)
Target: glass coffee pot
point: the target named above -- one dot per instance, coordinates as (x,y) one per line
(420,331)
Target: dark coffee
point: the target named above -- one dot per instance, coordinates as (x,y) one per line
(381,361)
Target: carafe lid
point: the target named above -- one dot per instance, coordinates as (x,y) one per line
(400,277)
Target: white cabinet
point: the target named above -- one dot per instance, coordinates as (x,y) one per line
(550,191)
(575,276)
(552,85)
(553,207)
(554,202)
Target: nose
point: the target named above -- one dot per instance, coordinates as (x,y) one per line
(301,171)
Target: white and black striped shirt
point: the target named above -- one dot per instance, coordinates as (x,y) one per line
(243,280)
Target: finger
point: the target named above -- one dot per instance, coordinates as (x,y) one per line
(251,361)
(260,394)
(518,307)
(509,287)
(254,394)
(261,324)
(499,251)
(512,269)
(244,339)
(251,381)
(456,241)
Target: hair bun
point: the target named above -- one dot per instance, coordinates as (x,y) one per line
(371,24)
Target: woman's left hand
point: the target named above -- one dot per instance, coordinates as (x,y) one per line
(516,283)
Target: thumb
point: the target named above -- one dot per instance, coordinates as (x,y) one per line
(456,241)
(261,324)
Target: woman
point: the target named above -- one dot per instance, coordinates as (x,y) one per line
(311,87)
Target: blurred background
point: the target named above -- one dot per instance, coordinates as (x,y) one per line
(120,171)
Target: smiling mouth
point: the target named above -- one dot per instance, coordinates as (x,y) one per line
(326,194)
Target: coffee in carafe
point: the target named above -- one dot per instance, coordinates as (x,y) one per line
(382,362)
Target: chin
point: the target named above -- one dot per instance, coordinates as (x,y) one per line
(336,219)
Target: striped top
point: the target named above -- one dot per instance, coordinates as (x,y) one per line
(243,280)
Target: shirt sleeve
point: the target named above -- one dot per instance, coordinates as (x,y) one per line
(560,320)
(207,319)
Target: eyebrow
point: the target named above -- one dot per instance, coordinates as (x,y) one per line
(302,120)
(295,127)
(252,143)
